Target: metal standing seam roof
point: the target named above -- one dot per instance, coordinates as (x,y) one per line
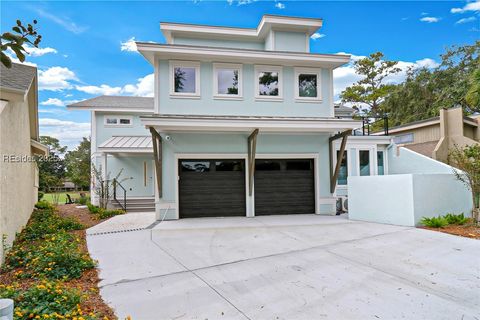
(127,143)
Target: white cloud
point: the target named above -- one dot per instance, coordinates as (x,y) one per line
(471,6)
(69,133)
(52,102)
(430,19)
(129,45)
(100,90)
(143,88)
(317,35)
(345,76)
(279,5)
(57,102)
(466,20)
(240,2)
(55,79)
(63,21)
(38,52)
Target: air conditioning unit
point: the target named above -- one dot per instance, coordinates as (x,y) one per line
(342,205)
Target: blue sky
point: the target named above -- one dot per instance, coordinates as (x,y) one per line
(81,52)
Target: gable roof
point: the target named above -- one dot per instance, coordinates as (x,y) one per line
(115,103)
(17,78)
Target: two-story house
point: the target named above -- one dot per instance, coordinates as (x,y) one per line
(242,123)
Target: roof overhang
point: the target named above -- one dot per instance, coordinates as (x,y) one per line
(153,51)
(268,22)
(110,109)
(180,123)
(127,144)
(38,149)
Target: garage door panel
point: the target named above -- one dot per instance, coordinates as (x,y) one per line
(206,192)
(284,186)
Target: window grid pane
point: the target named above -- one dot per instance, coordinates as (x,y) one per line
(307,85)
(227,81)
(364,162)
(184,78)
(268,83)
(343,173)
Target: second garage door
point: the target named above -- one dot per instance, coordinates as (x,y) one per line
(212,188)
(284,186)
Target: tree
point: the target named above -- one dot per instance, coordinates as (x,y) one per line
(372,89)
(77,163)
(455,82)
(473,94)
(467,159)
(52,169)
(16,40)
(103,188)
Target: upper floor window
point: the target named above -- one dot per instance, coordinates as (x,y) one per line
(227,81)
(307,84)
(118,121)
(268,82)
(185,78)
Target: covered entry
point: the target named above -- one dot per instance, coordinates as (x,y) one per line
(284,186)
(211,188)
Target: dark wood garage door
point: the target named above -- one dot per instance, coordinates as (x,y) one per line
(212,188)
(284,186)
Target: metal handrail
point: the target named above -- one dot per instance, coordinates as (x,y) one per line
(115,184)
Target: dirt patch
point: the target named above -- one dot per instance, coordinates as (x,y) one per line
(467,230)
(88,282)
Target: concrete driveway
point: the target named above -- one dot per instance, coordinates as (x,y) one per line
(284,267)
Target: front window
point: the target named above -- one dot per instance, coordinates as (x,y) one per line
(118,121)
(185,78)
(227,81)
(343,172)
(381,162)
(269,83)
(307,84)
(364,156)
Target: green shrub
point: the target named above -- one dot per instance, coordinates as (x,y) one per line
(45,300)
(82,200)
(92,208)
(434,222)
(46,222)
(43,204)
(456,218)
(57,257)
(40,195)
(104,214)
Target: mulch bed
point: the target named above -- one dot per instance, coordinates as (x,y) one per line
(88,282)
(467,230)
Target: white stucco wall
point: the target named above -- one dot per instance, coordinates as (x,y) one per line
(17,179)
(419,187)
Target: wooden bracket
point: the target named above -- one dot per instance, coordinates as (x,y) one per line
(334,174)
(157,157)
(252,149)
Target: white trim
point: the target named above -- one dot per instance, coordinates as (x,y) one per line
(113,109)
(331,102)
(118,118)
(93,136)
(184,64)
(156,87)
(180,156)
(307,43)
(201,53)
(227,66)
(171,124)
(267,68)
(314,71)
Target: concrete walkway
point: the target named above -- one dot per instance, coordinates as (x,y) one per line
(284,267)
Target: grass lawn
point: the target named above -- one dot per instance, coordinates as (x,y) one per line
(62,196)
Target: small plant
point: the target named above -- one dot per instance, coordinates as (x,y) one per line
(40,195)
(458,219)
(434,222)
(45,300)
(57,257)
(46,222)
(104,214)
(93,208)
(82,200)
(43,204)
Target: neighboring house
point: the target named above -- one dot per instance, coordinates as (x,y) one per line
(18,144)
(435,137)
(242,123)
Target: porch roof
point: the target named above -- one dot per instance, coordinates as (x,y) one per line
(127,144)
(189,123)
